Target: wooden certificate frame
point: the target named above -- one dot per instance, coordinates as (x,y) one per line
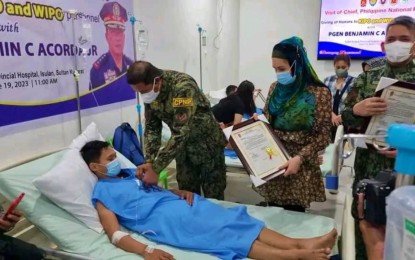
(259,150)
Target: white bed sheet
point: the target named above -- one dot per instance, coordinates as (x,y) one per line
(73,236)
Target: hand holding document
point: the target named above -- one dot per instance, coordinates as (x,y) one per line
(400,97)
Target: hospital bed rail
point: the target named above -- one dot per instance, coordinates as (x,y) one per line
(392,138)
(399,136)
(29,159)
(52,254)
(49,253)
(340,154)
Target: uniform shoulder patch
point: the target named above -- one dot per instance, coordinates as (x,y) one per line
(182,102)
(98,62)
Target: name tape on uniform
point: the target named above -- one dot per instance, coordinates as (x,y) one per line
(182,102)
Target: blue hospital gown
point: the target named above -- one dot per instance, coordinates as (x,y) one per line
(163,217)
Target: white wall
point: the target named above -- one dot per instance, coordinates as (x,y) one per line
(21,141)
(228,43)
(174,38)
(263,23)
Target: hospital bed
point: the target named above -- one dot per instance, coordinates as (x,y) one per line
(72,236)
(234,167)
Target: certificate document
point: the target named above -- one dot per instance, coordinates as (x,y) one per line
(259,149)
(401,109)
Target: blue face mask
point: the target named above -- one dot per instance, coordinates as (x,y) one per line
(113,168)
(285,78)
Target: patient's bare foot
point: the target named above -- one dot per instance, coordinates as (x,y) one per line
(306,254)
(325,241)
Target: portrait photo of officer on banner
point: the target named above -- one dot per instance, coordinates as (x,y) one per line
(114,62)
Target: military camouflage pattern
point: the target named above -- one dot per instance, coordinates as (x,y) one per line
(368,162)
(210,176)
(196,142)
(376,62)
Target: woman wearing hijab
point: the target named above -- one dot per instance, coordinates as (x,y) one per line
(298,108)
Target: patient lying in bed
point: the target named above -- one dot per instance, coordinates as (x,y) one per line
(183,219)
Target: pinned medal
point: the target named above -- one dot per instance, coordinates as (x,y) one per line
(270,152)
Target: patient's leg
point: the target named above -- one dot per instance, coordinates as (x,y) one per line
(277,240)
(327,240)
(263,251)
(280,241)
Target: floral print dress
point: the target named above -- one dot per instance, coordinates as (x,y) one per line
(307,184)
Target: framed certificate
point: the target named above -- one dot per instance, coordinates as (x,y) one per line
(259,150)
(400,97)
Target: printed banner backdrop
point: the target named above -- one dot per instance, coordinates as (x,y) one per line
(43,42)
(357,27)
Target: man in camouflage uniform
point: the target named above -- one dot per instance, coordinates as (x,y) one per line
(196,143)
(360,104)
(373,63)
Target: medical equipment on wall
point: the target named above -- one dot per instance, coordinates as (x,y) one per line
(202,34)
(400,204)
(82,34)
(142,40)
(204,38)
(143,44)
(84,38)
(85,41)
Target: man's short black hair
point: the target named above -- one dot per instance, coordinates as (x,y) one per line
(403,20)
(230,89)
(142,72)
(92,151)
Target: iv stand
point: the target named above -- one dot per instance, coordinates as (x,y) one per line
(139,127)
(76,73)
(200,55)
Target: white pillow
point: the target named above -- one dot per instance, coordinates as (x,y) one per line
(91,133)
(70,183)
